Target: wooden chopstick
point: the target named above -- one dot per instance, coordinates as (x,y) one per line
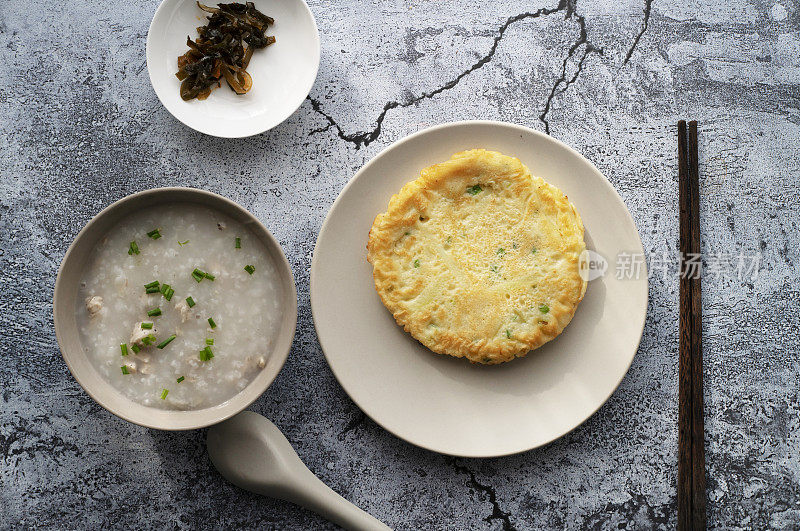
(691,449)
(684,353)
(698,432)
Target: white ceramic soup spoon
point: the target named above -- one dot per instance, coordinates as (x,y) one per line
(252,453)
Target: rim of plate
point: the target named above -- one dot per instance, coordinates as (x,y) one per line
(245,131)
(399,143)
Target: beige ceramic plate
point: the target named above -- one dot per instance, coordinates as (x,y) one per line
(68,337)
(445,404)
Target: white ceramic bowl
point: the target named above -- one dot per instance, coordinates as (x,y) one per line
(68,336)
(283,73)
(445,404)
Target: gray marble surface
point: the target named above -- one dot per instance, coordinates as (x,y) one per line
(81,127)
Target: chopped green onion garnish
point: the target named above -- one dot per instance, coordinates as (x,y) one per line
(190,301)
(416,262)
(544,308)
(166,341)
(501,251)
(209,341)
(150,338)
(198,275)
(154,289)
(168,295)
(249,269)
(209,276)
(147,326)
(508,334)
(135,348)
(182,243)
(179,380)
(164,288)
(155,312)
(206,354)
(533,250)
(124,348)
(125,369)
(474,190)
(153,284)
(238,244)
(133,249)
(154,234)
(164,394)
(211,323)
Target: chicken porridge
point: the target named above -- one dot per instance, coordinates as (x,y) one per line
(178,308)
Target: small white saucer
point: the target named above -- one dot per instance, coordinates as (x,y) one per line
(283,73)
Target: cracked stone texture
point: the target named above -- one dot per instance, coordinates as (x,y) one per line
(81,127)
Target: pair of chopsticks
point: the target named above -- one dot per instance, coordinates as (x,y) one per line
(691,451)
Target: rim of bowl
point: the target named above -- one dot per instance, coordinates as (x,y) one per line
(68,335)
(253,130)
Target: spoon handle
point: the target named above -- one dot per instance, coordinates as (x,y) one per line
(313,494)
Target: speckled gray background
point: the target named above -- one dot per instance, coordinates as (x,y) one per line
(81,127)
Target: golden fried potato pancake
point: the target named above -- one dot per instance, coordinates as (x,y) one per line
(478,259)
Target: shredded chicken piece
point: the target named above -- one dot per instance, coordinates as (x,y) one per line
(138,334)
(94,305)
(183,307)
